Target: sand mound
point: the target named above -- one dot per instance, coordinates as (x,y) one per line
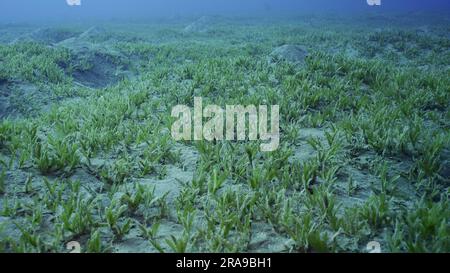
(423,29)
(96,68)
(290,53)
(92,35)
(94,63)
(202,25)
(46,36)
(95,33)
(101,74)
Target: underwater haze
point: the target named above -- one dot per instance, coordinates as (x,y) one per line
(30,10)
(218,126)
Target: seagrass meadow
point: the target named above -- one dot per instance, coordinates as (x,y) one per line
(86,152)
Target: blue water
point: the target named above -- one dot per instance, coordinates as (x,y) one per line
(33,10)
